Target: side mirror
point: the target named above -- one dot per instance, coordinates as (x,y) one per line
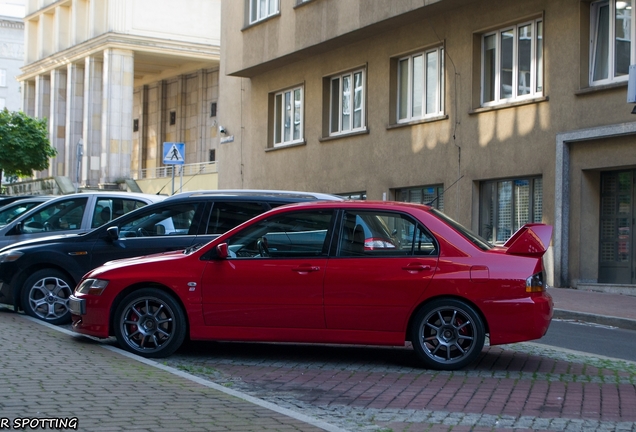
(18,228)
(113,233)
(222,251)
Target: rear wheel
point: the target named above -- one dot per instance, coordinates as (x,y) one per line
(447,334)
(150,323)
(45,296)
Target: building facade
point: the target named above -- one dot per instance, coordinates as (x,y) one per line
(116,79)
(498,112)
(11,59)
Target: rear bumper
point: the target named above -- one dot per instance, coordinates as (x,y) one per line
(519,320)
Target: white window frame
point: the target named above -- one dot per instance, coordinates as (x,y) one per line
(280,117)
(262,9)
(536,65)
(340,129)
(3,77)
(611,48)
(410,85)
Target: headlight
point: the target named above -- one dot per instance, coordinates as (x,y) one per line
(535,283)
(92,286)
(10,256)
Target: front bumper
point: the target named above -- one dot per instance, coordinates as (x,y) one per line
(88,316)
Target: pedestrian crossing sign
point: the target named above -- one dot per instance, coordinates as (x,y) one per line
(173,153)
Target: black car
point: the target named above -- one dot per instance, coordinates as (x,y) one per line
(38,276)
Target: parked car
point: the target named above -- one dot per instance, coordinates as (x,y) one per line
(8,199)
(306,273)
(38,276)
(13,210)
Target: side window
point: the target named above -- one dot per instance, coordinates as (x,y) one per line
(292,235)
(227,215)
(59,216)
(177,219)
(367,233)
(107,209)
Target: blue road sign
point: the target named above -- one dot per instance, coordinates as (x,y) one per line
(173,153)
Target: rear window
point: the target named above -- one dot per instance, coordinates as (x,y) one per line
(478,241)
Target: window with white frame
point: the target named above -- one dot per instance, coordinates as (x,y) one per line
(611,35)
(3,77)
(507,205)
(261,9)
(347,99)
(420,80)
(288,117)
(512,63)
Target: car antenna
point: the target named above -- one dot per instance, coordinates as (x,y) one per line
(444,191)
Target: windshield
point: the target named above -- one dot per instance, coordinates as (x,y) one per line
(474,238)
(12,211)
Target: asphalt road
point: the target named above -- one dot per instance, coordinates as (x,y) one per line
(591,338)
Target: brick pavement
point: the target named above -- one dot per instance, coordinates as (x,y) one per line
(47,374)
(511,388)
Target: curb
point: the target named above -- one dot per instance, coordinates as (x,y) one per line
(624,323)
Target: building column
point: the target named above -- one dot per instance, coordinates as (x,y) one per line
(42,105)
(92,121)
(74,118)
(57,121)
(28,98)
(117,110)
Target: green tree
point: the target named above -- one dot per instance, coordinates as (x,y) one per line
(24,144)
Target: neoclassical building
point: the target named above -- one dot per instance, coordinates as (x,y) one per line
(499,112)
(117,78)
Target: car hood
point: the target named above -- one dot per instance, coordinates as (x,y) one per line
(140,260)
(40,240)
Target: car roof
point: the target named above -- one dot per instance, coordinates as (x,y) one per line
(258,193)
(371,204)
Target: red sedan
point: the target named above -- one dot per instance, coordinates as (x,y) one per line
(352,272)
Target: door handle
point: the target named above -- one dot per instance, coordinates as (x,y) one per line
(306,269)
(415,267)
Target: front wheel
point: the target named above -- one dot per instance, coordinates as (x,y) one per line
(45,296)
(447,334)
(150,323)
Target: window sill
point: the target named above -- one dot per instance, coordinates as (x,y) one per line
(416,122)
(286,146)
(255,23)
(600,88)
(344,135)
(306,2)
(509,105)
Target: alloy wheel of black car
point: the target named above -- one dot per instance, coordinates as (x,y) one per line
(447,334)
(150,323)
(45,296)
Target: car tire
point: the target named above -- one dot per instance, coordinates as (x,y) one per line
(45,296)
(163,325)
(447,334)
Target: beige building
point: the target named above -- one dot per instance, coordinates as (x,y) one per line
(116,79)
(499,112)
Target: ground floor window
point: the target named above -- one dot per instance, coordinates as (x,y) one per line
(430,195)
(506,205)
(354,195)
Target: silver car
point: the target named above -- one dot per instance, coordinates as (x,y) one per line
(74,214)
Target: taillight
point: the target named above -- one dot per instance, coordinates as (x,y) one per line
(372,243)
(535,283)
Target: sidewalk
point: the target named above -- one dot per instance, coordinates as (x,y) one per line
(52,380)
(617,310)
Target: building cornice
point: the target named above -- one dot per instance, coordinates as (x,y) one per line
(190,52)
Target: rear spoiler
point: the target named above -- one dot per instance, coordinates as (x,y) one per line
(531,239)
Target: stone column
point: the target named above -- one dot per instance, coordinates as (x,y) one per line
(117,109)
(92,121)
(74,118)
(42,105)
(28,98)
(57,121)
